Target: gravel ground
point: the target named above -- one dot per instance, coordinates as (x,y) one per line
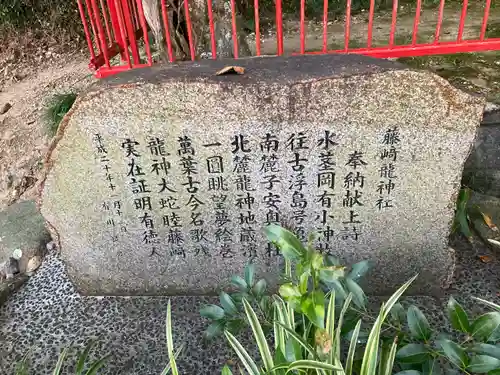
(47,315)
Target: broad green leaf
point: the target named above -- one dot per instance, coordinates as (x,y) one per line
(170,341)
(307,364)
(303,282)
(289,290)
(455,353)
(431,367)
(332,273)
(484,326)
(317,261)
(215,329)
(97,365)
(289,245)
(359,270)
(313,306)
(458,316)
(398,313)
(293,351)
(488,303)
(494,372)
(242,354)
(213,312)
(339,289)
(332,261)
(83,358)
(486,349)
(481,364)
(227,304)
(238,282)
(394,298)
(226,370)
(418,324)
(409,372)
(259,288)
(259,336)
(60,361)
(249,274)
(234,325)
(413,353)
(358,296)
(352,349)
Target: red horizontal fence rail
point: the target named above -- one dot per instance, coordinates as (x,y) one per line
(115,32)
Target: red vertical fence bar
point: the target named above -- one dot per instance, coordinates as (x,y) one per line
(101,36)
(127,15)
(279,27)
(123,32)
(325,25)
(88,38)
(212,28)
(235,30)
(135,19)
(106,20)
(189,29)
(394,19)
(370,24)
(439,22)
(113,14)
(463,16)
(166,26)
(92,24)
(347,27)
(416,22)
(485,20)
(257,27)
(144,27)
(302,26)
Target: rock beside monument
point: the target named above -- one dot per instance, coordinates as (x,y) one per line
(22,227)
(487,229)
(482,170)
(161,180)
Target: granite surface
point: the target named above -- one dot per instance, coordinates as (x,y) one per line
(161,182)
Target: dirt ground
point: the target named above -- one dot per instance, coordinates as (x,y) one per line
(28,84)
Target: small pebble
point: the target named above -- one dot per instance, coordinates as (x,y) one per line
(51,246)
(17,254)
(5,108)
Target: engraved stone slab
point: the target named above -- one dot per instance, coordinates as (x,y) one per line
(162,180)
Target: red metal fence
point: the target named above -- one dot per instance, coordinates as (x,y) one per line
(115,32)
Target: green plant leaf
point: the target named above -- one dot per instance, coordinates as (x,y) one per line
(484,326)
(313,306)
(242,354)
(352,349)
(486,349)
(494,372)
(292,350)
(259,336)
(170,341)
(358,296)
(332,273)
(398,313)
(289,290)
(226,370)
(330,322)
(307,364)
(431,367)
(358,270)
(409,372)
(458,316)
(97,365)
(316,260)
(167,368)
(249,274)
(213,312)
(289,245)
(227,304)
(481,364)
(340,323)
(455,353)
(331,260)
(83,358)
(488,303)
(418,324)
(215,329)
(340,291)
(60,361)
(259,288)
(300,341)
(238,282)
(413,353)
(303,282)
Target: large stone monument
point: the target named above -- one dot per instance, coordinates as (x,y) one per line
(161,180)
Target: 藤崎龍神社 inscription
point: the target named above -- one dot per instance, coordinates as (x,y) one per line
(179,226)
(179,172)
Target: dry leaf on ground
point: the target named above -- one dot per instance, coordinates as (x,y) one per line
(489,222)
(231,70)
